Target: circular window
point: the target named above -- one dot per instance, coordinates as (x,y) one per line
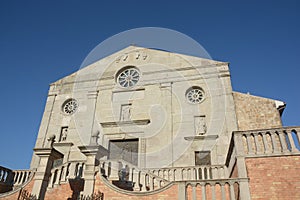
(128,77)
(195,95)
(70,106)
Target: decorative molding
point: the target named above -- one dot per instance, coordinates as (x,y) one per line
(201,137)
(125,123)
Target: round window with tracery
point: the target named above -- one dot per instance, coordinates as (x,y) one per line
(128,77)
(70,106)
(195,95)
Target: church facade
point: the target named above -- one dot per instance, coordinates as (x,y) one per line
(150,124)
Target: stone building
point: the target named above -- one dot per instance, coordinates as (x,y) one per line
(151,124)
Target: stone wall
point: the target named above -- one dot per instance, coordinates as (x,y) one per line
(274,177)
(255,112)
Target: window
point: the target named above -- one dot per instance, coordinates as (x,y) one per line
(124,149)
(194,95)
(202,158)
(128,77)
(70,106)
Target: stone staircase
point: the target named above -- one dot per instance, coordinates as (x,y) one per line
(129,177)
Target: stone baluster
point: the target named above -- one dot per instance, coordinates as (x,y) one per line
(298,135)
(292,142)
(208,172)
(265,143)
(274,143)
(283,143)
(135,179)
(152,182)
(257,146)
(58,176)
(16,176)
(203,169)
(142,181)
(64,174)
(249,143)
(193,173)
(176,174)
(19,181)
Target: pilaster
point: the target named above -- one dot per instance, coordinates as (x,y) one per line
(41,178)
(93,153)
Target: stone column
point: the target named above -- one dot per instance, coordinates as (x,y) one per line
(241,167)
(41,178)
(93,153)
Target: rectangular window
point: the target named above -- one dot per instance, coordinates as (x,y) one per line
(202,158)
(124,149)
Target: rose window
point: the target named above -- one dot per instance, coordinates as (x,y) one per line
(70,106)
(195,95)
(128,77)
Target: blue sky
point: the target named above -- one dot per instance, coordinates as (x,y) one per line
(42,41)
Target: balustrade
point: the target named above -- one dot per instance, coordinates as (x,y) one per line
(64,172)
(6,176)
(205,172)
(135,178)
(21,176)
(271,141)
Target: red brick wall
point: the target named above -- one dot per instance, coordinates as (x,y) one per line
(170,193)
(274,177)
(65,191)
(62,192)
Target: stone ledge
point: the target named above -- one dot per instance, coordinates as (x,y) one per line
(201,137)
(125,123)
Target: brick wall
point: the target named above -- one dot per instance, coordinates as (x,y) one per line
(274,177)
(15,195)
(66,191)
(255,112)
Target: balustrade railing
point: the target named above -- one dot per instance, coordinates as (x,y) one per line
(6,176)
(21,177)
(13,179)
(61,174)
(130,177)
(269,141)
(205,172)
(216,189)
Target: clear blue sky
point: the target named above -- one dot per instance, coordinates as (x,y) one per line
(42,41)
